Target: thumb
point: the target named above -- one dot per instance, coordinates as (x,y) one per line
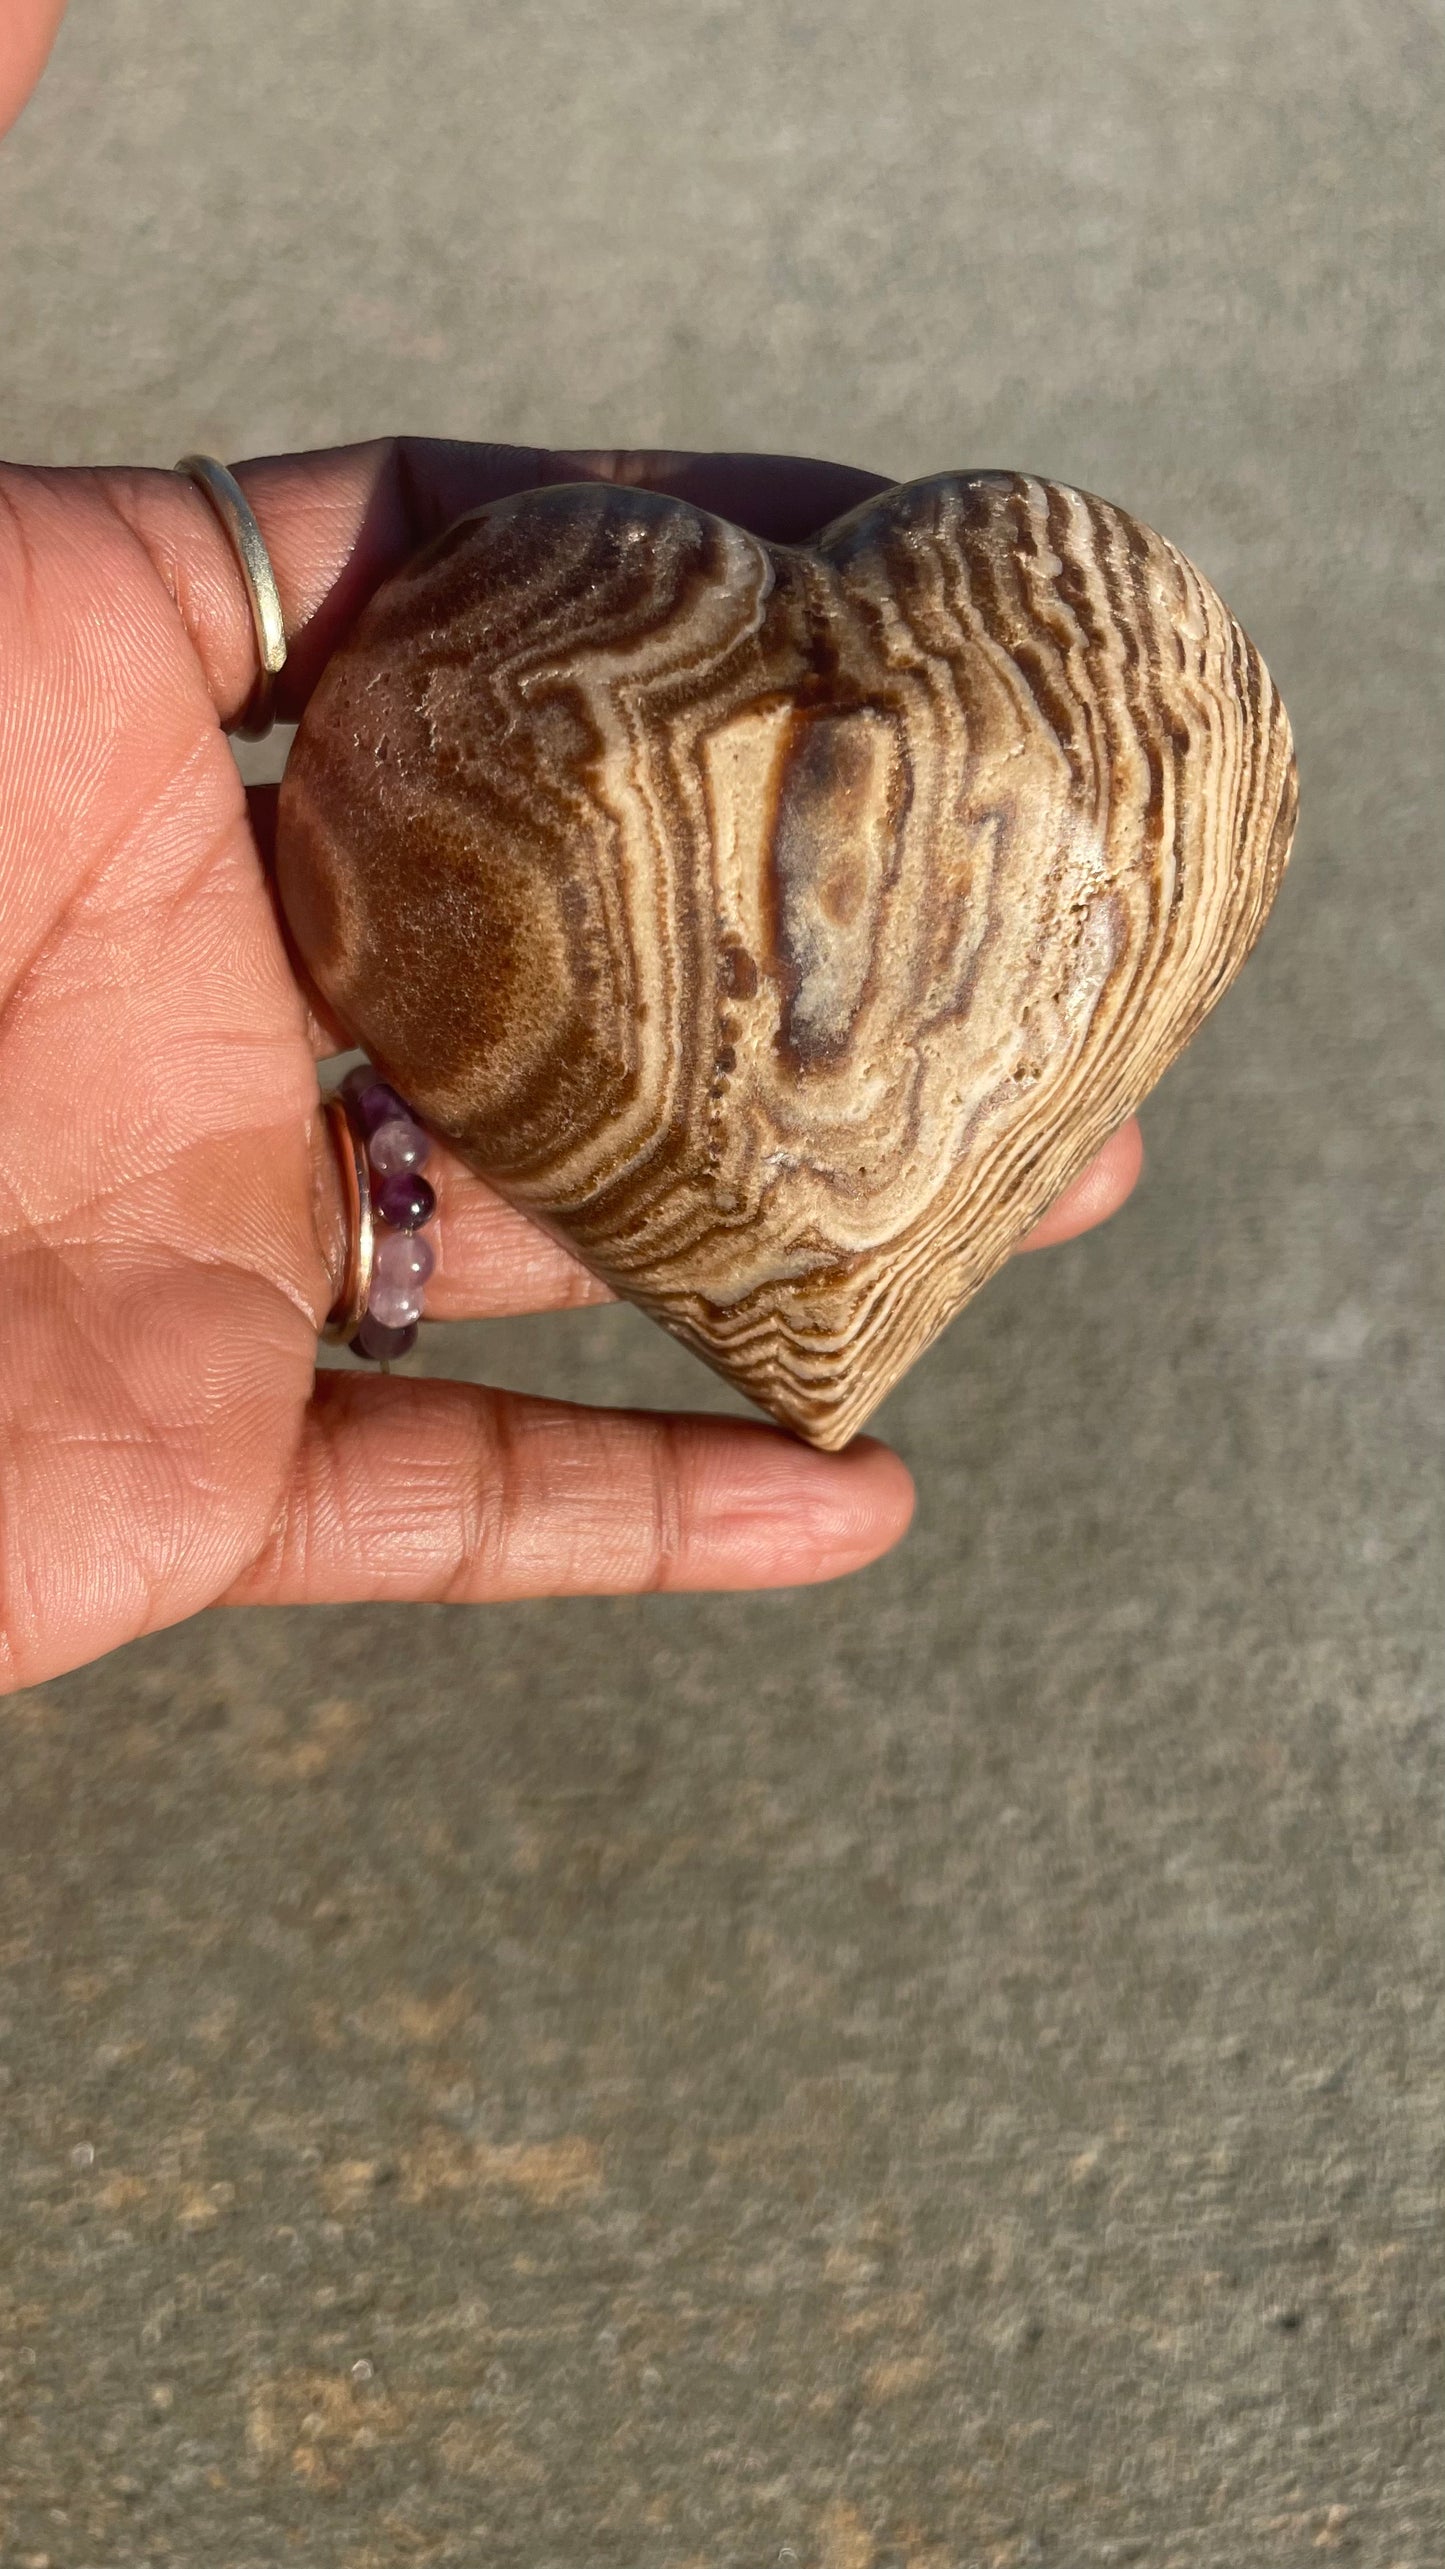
(27,32)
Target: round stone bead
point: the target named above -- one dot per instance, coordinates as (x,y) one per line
(398,1279)
(375,1340)
(396,1306)
(404,1200)
(402,1258)
(398,1144)
(373,1101)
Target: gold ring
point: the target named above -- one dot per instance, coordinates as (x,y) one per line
(345,1316)
(247,543)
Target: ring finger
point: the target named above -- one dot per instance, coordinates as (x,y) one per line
(493,1261)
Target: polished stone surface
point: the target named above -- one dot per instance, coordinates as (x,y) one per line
(788,926)
(939,2074)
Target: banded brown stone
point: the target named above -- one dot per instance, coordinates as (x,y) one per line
(787,926)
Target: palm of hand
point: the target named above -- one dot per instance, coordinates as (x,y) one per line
(167,1207)
(163,1275)
(162,1204)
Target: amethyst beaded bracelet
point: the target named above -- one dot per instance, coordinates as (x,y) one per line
(389,1204)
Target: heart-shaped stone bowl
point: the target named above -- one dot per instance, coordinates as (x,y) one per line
(787,926)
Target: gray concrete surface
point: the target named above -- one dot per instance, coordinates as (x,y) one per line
(938,2074)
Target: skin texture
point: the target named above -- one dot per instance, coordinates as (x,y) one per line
(168,1231)
(169,1217)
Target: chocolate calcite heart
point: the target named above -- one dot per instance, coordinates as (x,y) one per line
(787,926)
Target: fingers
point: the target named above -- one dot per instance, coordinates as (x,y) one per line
(27,32)
(493,1260)
(1107,1182)
(338,522)
(324,1030)
(441,1492)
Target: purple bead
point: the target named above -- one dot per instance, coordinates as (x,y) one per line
(374,1340)
(372,1101)
(398,1278)
(379,1104)
(397,1144)
(405,1201)
(395,1306)
(401,1258)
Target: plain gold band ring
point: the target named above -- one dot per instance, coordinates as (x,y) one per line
(346,1313)
(247,543)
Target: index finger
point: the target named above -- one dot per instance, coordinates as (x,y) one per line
(338,522)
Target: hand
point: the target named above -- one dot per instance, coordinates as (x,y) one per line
(169,1214)
(27,32)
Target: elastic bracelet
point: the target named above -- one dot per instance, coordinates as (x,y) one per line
(381,1150)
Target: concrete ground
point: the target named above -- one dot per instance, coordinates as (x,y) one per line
(941,2073)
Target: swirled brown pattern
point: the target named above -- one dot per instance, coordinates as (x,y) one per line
(788,926)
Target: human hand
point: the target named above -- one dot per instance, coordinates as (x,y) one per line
(169,1210)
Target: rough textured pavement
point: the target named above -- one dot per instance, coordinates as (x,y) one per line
(943,2073)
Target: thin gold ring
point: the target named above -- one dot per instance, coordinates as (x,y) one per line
(344,1318)
(248,544)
